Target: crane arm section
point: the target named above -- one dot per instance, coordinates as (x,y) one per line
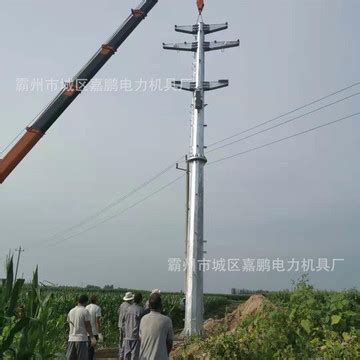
(71,90)
(200,5)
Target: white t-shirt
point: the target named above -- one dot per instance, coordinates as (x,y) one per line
(95,312)
(76,318)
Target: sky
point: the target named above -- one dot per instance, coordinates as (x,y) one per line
(297,199)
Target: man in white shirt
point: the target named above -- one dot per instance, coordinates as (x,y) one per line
(80,326)
(95,320)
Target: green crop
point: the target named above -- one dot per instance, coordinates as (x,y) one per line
(300,324)
(28,322)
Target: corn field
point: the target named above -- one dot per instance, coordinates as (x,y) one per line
(301,324)
(33,317)
(29,320)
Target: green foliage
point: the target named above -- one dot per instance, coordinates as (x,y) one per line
(299,324)
(11,324)
(26,320)
(302,324)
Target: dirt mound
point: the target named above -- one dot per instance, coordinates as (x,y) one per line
(230,322)
(227,324)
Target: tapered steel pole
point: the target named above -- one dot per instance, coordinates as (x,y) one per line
(194,283)
(196,160)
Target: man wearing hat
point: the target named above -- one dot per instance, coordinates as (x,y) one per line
(133,316)
(128,300)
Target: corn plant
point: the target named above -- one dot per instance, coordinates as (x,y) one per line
(28,324)
(11,321)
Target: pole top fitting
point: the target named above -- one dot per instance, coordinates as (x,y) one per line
(200,5)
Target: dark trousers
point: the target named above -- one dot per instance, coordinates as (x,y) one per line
(131,349)
(91,349)
(121,341)
(77,350)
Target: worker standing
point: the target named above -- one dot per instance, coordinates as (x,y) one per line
(128,299)
(147,307)
(156,332)
(80,328)
(132,328)
(95,319)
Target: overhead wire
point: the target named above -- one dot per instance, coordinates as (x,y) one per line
(285,114)
(168,168)
(121,212)
(283,139)
(6,147)
(284,122)
(114,203)
(97,214)
(210,163)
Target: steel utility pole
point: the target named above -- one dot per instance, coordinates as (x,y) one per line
(187,171)
(19,250)
(196,161)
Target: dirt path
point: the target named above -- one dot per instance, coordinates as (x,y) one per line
(110,354)
(107,354)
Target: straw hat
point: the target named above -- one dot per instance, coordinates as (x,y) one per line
(128,296)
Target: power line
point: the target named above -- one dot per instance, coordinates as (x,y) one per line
(165,170)
(282,115)
(23,130)
(231,136)
(168,168)
(12,141)
(134,191)
(283,123)
(283,139)
(211,163)
(114,203)
(121,212)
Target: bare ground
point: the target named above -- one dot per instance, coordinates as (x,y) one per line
(107,354)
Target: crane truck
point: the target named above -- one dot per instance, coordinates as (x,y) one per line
(71,90)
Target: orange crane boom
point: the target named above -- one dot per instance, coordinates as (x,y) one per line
(18,152)
(200,5)
(71,90)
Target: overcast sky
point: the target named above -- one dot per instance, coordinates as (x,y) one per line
(296,199)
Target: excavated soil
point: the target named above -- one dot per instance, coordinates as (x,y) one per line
(231,321)
(228,324)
